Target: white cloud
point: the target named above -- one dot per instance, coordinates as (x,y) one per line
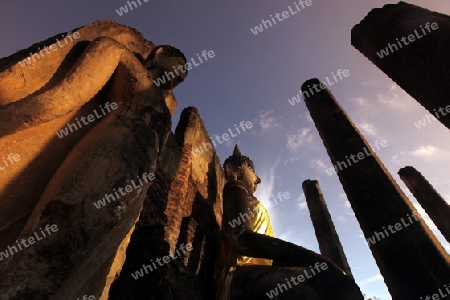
(428,153)
(347,204)
(319,163)
(360,101)
(395,98)
(301,202)
(298,138)
(310,120)
(424,151)
(370,280)
(268,122)
(369,83)
(265,189)
(341,219)
(367,128)
(302,205)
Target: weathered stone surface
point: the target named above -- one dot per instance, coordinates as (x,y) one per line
(17,82)
(411,260)
(183,206)
(122,147)
(422,67)
(431,201)
(69,175)
(41,151)
(326,234)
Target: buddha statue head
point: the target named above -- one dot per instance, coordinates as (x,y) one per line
(164,63)
(240,167)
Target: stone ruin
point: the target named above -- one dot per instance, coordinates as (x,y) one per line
(56,180)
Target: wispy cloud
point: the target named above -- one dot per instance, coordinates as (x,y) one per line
(370,280)
(395,98)
(424,151)
(369,83)
(341,219)
(265,189)
(367,128)
(360,101)
(301,202)
(298,138)
(347,204)
(268,121)
(315,162)
(427,153)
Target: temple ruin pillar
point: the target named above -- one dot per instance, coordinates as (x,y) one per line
(433,203)
(326,234)
(411,260)
(411,45)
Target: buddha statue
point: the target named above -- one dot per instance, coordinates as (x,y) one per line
(253,264)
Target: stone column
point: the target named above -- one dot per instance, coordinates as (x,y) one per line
(411,45)
(411,260)
(433,203)
(326,234)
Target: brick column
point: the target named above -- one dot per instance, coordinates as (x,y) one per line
(411,45)
(326,234)
(433,203)
(411,260)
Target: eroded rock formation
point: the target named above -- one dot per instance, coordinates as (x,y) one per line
(62,180)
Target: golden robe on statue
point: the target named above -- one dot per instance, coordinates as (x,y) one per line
(261,224)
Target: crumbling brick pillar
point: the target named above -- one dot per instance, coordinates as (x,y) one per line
(433,203)
(411,260)
(411,45)
(326,234)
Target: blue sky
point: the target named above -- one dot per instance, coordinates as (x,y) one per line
(251,79)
